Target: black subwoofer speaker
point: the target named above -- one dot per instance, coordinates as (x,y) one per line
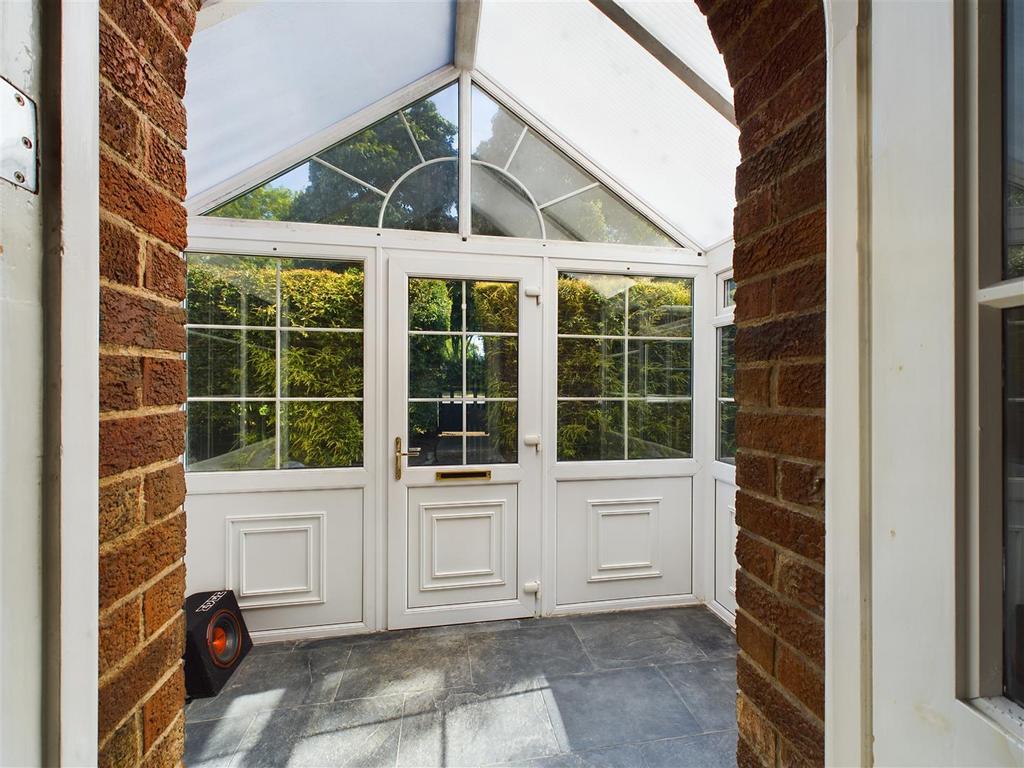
(216,641)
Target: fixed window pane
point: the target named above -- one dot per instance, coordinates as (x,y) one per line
(590,367)
(661,306)
(229,436)
(500,206)
(727,361)
(545,171)
(492,366)
(598,216)
(427,200)
(659,430)
(592,305)
(435,366)
(230,290)
(321,364)
(492,306)
(492,433)
(496,131)
(590,430)
(377,155)
(434,123)
(321,293)
(660,368)
(240,363)
(436,429)
(321,434)
(1013,445)
(1013,139)
(728,292)
(435,305)
(727,431)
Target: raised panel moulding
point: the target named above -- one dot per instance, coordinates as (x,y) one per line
(623,539)
(456,550)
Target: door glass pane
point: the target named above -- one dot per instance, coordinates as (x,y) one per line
(228,436)
(727,431)
(231,290)
(231,363)
(1013,441)
(726,440)
(625,367)
(1013,139)
(321,293)
(321,434)
(321,364)
(452,342)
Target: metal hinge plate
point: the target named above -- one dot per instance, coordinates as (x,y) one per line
(19,138)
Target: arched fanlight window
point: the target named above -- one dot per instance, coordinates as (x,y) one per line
(403,173)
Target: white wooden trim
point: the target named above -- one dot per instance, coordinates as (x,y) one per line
(467,32)
(1004,295)
(204,200)
(847,511)
(79,375)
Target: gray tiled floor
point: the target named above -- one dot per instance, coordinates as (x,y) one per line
(627,690)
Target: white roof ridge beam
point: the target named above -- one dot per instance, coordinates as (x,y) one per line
(467,33)
(348,175)
(646,40)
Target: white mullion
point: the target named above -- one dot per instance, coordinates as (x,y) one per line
(465,155)
(408,130)
(625,378)
(1004,295)
(512,155)
(566,196)
(277,374)
(356,179)
(465,391)
(498,334)
(610,337)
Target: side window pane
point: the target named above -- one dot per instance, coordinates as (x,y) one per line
(726,450)
(1013,441)
(275,363)
(1013,139)
(625,366)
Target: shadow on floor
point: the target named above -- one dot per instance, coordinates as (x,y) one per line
(627,690)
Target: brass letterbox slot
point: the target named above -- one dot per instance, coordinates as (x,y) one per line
(462,474)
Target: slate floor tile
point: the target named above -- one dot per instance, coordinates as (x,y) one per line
(603,709)
(630,639)
(527,653)
(407,664)
(625,756)
(710,633)
(709,690)
(708,750)
(474,727)
(262,682)
(212,743)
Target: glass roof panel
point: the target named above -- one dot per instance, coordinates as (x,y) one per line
(682,28)
(578,72)
(598,216)
(265,76)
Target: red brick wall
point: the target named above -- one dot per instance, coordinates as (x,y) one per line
(775,54)
(142,379)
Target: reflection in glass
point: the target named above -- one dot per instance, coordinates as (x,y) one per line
(661,306)
(598,216)
(659,368)
(1013,445)
(590,431)
(321,434)
(492,366)
(321,364)
(228,436)
(239,363)
(592,305)
(496,131)
(500,206)
(427,199)
(590,367)
(435,366)
(436,429)
(727,431)
(727,361)
(435,305)
(492,306)
(659,429)
(230,290)
(491,433)
(728,292)
(1013,138)
(321,293)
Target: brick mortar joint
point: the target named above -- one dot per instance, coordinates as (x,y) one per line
(142,55)
(139,472)
(158,742)
(111,217)
(783,599)
(142,293)
(119,350)
(113,671)
(140,412)
(134,169)
(811,513)
(779,549)
(781,690)
(137,710)
(125,540)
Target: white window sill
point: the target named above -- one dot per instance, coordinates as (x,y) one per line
(1006,714)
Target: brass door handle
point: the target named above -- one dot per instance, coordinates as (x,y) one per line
(399,454)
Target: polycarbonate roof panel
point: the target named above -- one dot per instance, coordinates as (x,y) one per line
(588,80)
(264,78)
(682,28)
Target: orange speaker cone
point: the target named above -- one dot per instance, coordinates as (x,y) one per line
(220,640)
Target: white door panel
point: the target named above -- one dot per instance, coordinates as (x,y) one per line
(725,545)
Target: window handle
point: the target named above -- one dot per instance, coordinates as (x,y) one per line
(399,453)
(532,440)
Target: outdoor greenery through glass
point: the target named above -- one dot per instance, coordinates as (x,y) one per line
(1013,139)
(625,363)
(402,173)
(726,450)
(463,371)
(275,363)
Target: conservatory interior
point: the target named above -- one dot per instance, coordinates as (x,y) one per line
(460,341)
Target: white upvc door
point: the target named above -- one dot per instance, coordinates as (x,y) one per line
(463,452)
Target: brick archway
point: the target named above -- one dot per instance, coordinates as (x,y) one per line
(775,54)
